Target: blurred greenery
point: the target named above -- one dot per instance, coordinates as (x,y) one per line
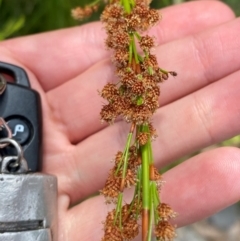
(23,17)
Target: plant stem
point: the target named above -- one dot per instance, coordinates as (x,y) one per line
(130,50)
(135,50)
(125,161)
(150,152)
(145,187)
(151,212)
(94,3)
(118,209)
(127,6)
(137,35)
(164,71)
(156,201)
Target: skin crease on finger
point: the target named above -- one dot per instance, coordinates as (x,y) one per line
(83,46)
(197,188)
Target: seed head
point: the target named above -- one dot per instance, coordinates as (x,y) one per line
(165,212)
(153,17)
(109,92)
(130,229)
(121,58)
(118,40)
(133,22)
(80,13)
(112,232)
(146,43)
(138,88)
(112,186)
(118,157)
(108,113)
(152,131)
(112,12)
(143,138)
(164,231)
(141,9)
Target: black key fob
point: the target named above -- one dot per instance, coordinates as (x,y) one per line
(20,106)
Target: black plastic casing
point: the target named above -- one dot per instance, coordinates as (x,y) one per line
(21,102)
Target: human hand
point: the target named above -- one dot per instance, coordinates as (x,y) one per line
(200,41)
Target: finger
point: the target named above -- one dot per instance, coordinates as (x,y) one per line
(196,189)
(221,188)
(200,60)
(61,55)
(203,118)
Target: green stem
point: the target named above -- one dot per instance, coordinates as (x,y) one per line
(145,187)
(132,3)
(145,171)
(135,50)
(140,58)
(156,194)
(156,202)
(151,212)
(125,155)
(139,189)
(125,162)
(94,3)
(118,209)
(130,50)
(137,35)
(150,151)
(126,5)
(164,71)
(137,192)
(150,70)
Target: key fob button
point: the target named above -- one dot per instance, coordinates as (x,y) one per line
(20,130)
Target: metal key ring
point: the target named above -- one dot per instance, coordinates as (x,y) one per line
(18,148)
(3,84)
(3,124)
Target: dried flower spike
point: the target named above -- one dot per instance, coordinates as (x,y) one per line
(133,98)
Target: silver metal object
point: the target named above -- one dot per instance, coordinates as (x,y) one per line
(39,235)
(28,201)
(28,207)
(19,158)
(3,125)
(20,168)
(3,84)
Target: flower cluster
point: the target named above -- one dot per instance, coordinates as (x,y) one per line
(129,229)
(116,182)
(80,13)
(164,230)
(134,98)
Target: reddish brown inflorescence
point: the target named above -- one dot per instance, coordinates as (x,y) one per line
(133,98)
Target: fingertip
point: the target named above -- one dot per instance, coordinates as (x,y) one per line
(221,9)
(189,18)
(203,185)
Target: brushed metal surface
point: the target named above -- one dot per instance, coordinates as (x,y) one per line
(29,197)
(36,235)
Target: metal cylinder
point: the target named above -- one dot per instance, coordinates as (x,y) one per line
(28,207)
(36,235)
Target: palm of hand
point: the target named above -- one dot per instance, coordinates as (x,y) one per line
(196,111)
